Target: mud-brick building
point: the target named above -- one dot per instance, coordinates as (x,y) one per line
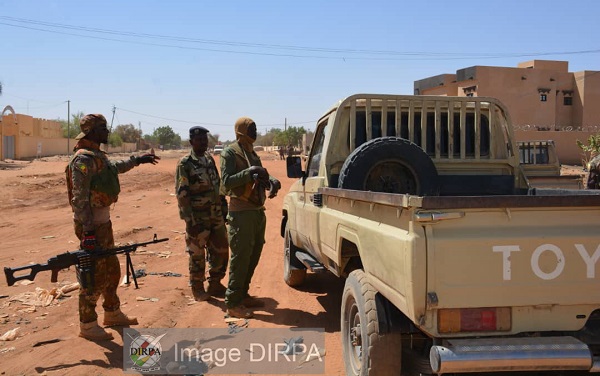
(24,136)
(544,99)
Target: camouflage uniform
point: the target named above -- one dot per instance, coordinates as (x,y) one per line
(246,218)
(200,206)
(593,181)
(93,185)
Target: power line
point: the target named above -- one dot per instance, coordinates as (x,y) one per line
(422,55)
(210,124)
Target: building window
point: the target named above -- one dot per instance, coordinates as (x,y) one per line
(470,91)
(543,93)
(568,101)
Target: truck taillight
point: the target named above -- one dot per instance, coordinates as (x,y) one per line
(474,320)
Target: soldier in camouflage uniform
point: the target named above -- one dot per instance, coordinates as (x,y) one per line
(593,181)
(244,180)
(93,185)
(203,209)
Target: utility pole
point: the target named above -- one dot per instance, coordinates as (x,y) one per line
(113,117)
(285,125)
(139,145)
(68,127)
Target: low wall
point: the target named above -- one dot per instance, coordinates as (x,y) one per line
(32,147)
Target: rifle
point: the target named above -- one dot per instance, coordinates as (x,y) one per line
(84,260)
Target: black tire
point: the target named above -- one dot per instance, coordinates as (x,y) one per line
(294,272)
(391,165)
(366,351)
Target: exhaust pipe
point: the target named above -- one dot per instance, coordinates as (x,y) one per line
(512,354)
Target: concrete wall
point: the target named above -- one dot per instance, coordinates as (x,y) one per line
(36,137)
(27,147)
(127,147)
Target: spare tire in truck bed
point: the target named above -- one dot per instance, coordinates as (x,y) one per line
(391,165)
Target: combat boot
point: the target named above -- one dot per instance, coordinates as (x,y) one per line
(118,318)
(93,332)
(199,294)
(215,288)
(240,312)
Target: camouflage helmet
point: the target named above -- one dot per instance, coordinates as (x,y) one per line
(89,122)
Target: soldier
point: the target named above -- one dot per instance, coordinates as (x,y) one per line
(244,180)
(593,181)
(93,185)
(203,209)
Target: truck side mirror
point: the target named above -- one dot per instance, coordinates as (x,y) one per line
(294,167)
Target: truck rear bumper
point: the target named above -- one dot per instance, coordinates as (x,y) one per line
(512,354)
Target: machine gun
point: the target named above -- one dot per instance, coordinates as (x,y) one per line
(85,261)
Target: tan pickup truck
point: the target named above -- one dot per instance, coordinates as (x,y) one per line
(542,168)
(452,262)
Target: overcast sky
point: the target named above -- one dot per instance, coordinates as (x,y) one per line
(185,63)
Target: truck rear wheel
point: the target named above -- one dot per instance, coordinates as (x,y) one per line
(366,351)
(294,272)
(391,165)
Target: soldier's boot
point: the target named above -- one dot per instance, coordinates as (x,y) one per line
(93,331)
(216,288)
(240,312)
(198,292)
(118,318)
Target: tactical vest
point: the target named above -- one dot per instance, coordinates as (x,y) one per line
(245,192)
(104,184)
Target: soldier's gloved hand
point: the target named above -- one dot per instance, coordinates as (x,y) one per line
(89,241)
(260,171)
(146,158)
(275,186)
(224,208)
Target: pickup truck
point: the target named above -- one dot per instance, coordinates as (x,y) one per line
(542,168)
(452,262)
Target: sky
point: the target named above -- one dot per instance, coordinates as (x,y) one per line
(184,63)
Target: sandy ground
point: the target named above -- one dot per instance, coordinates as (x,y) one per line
(36,224)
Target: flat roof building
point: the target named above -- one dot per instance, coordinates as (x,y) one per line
(541,94)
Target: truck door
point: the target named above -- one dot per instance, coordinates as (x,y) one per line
(308,221)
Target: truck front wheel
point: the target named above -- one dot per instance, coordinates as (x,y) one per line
(366,350)
(294,272)
(391,165)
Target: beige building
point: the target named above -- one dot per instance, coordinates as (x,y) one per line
(26,137)
(542,96)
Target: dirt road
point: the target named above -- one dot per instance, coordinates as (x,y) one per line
(35,224)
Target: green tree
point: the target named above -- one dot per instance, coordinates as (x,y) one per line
(166,137)
(128,133)
(115,139)
(268,138)
(590,150)
(71,130)
(291,136)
